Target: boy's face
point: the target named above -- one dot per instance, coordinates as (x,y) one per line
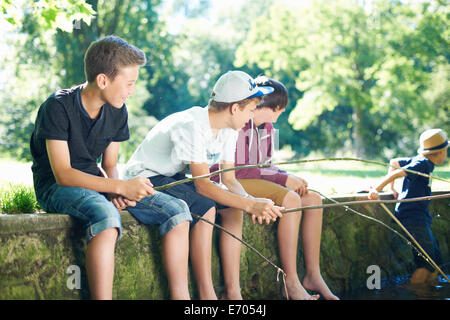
(241,116)
(266,114)
(117,91)
(441,156)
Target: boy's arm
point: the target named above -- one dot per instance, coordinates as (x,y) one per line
(395,163)
(65,175)
(109,165)
(236,199)
(109,160)
(229,180)
(389,178)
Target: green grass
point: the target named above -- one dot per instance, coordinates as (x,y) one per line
(17,198)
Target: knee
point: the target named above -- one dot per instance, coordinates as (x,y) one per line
(179,206)
(107,222)
(315,198)
(292,200)
(106,211)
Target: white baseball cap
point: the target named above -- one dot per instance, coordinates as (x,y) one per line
(237,85)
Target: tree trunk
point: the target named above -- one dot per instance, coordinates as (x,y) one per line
(358,132)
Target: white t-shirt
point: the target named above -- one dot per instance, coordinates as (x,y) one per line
(178,140)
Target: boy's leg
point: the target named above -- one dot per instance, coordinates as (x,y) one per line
(230,250)
(201,231)
(103,226)
(172,216)
(311,237)
(175,248)
(100,264)
(200,252)
(424,271)
(288,230)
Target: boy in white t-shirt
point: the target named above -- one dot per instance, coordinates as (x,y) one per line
(196,139)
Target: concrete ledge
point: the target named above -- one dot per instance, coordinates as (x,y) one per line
(36,251)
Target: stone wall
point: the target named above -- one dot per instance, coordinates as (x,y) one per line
(37,250)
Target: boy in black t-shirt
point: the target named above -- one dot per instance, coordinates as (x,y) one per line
(415,215)
(74,127)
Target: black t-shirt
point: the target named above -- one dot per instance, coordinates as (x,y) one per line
(62,117)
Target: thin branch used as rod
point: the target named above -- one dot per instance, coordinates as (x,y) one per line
(291,162)
(339,204)
(429,260)
(279,270)
(239,239)
(380,222)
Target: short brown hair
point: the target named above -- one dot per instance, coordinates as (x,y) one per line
(219,106)
(278,98)
(107,55)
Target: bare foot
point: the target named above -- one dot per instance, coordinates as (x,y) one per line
(232,295)
(296,291)
(420,275)
(317,284)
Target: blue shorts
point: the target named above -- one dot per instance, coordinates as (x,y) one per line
(197,203)
(162,210)
(90,207)
(422,233)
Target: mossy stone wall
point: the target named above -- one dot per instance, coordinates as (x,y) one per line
(36,251)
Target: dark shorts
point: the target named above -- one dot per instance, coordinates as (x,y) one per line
(197,203)
(422,233)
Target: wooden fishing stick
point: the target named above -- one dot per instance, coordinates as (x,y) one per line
(279,270)
(311,161)
(290,162)
(378,221)
(339,204)
(414,240)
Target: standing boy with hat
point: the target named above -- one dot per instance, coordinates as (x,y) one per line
(415,215)
(200,137)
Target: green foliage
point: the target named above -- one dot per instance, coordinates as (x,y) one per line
(49,14)
(377,60)
(41,62)
(363,77)
(18,198)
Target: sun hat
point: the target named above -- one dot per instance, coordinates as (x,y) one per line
(432,141)
(235,86)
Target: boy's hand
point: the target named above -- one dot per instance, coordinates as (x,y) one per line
(394,194)
(137,188)
(297,184)
(373,194)
(264,210)
(260,220)
(120,202)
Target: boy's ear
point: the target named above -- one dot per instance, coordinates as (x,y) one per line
(102,80)
(234,108)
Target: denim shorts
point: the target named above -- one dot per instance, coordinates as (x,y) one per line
(422,233)
(89,207)
(162,210)
(197,203)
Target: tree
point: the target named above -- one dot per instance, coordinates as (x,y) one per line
(357,55)
(50,14)
(55,60)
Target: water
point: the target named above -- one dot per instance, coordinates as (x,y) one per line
(399,288)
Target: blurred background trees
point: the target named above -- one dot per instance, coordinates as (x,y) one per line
(364,77)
